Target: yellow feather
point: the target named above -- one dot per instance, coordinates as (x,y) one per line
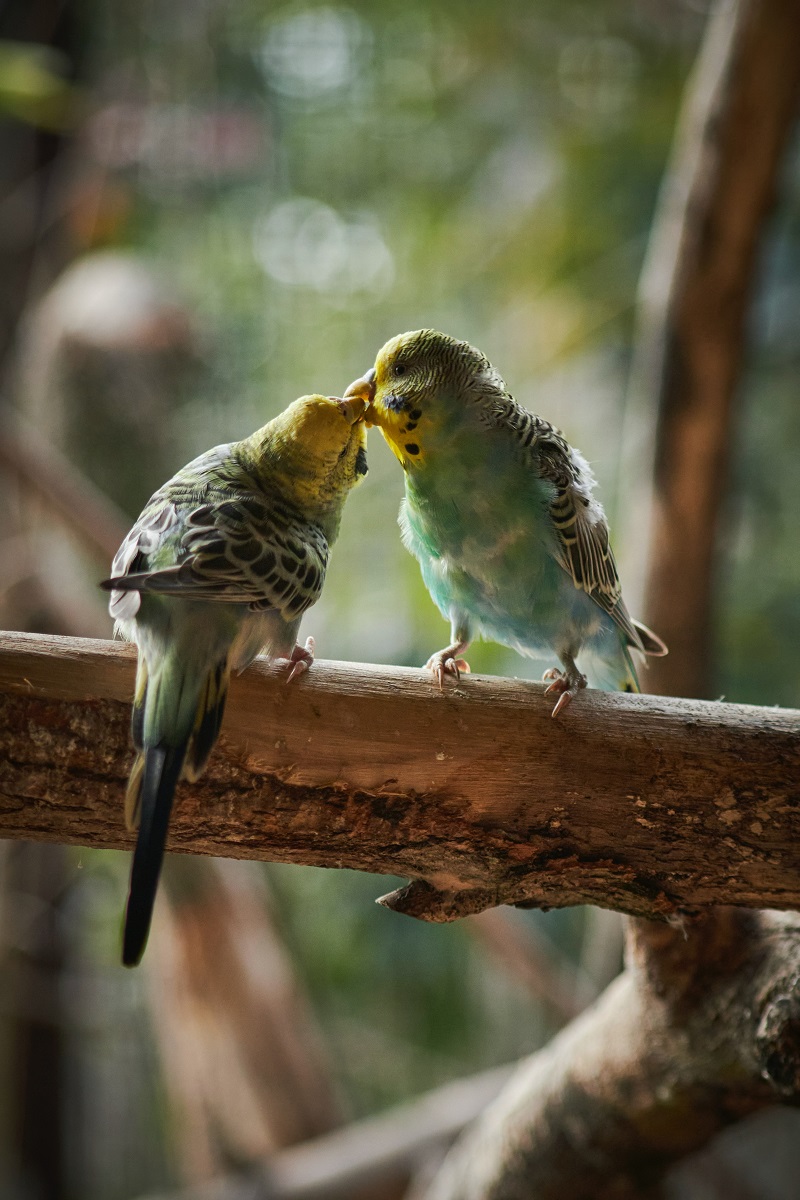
(133,794)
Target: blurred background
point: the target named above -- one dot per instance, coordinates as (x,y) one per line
(208,208)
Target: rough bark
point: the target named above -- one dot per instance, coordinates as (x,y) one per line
(694,1035)
(694,298)
(650,806)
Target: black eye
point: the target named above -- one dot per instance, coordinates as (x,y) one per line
(400,369)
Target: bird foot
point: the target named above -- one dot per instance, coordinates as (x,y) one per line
(565,685)
(446,662)
(300,660)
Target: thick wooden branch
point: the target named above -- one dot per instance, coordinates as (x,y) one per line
(651,806)
(695,1034)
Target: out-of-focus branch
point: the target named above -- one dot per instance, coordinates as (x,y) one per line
(695,292)
(44,471)
(366,1154)
(244,1062)
(542,969)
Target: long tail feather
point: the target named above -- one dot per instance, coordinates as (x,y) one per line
(158,777)
(175,725)
(651,642)
(137,714)
(210,712)
(133,793)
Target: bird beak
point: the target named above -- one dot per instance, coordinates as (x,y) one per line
(364,387)
(352,407)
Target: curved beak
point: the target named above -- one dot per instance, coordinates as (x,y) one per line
(352,406)
(363,388)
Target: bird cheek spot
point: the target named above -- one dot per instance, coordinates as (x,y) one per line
(412,448)
(395,404)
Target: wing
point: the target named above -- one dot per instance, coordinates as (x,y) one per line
(582,547)
(154,527)
(245,549)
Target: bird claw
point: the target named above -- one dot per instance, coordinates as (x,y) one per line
(300,660)
(562,702)
(444,663)
(565,685)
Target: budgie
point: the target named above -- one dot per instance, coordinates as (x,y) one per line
(500,512)
(222,563)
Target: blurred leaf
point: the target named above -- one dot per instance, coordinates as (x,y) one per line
(33,87)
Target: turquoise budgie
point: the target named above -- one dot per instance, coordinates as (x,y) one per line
(222,563)
(500,513)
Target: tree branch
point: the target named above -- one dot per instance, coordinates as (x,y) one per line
(245,1068)
(67,492)
(695,295)
(369,1154)
(651,806)
(694,1035)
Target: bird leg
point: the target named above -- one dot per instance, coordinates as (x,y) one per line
(564,684)
(447,662)
(300,659)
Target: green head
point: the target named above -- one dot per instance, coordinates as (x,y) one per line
(421,386)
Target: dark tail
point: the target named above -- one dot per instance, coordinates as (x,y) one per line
(160,773)
(651,642)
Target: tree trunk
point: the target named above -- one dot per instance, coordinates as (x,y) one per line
(695,295)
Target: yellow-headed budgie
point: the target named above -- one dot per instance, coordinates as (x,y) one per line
(221,565)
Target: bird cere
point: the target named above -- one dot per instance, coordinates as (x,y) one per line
(228,555)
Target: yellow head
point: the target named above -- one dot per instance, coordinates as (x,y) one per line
(419,389)
(316,448)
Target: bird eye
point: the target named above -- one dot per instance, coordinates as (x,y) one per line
(400,369)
